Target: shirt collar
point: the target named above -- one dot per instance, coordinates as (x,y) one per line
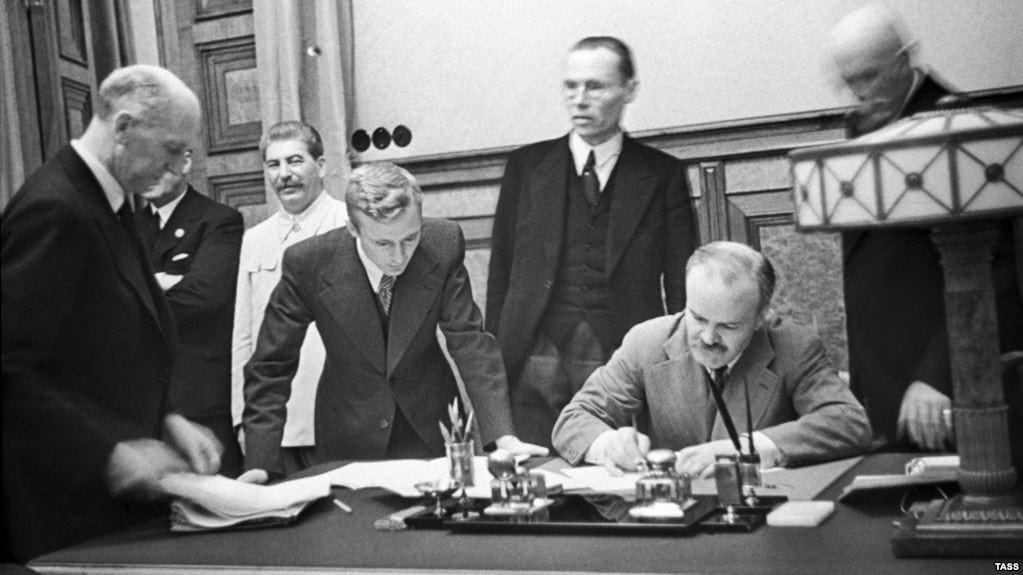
(111,189)
(373,272)
(167,209)
(311,216)
(603,153)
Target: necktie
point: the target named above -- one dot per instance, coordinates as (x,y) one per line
(591,185)
(385,292)
(124,214)
(717,383)
(719,378)
(150,227)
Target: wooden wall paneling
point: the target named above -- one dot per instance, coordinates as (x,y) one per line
(71,31)
(242,191)
(711,213)
(210,45)
(77,106)
(215,8)
(25,89)
(231,94)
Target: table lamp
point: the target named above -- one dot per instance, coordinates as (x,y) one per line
(954,170)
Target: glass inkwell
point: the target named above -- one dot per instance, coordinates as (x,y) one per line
(515,493)
(662,494)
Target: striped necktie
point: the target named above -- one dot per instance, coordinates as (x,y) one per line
(385,292)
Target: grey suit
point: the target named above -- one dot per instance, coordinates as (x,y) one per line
(797,398)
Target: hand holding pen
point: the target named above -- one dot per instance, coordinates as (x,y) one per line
(626,447)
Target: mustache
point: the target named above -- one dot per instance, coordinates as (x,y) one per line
(715,347)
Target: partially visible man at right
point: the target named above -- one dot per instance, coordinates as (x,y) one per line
(894,283)
(294,167)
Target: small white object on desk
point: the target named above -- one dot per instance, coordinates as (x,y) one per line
(800,513)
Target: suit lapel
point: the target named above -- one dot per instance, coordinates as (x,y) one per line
(679,392)
(751,370)
(348,297)
(127,260)
(414,292)
(633,188)
(547,194)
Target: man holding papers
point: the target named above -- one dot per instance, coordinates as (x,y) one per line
(378,291)
(655,391)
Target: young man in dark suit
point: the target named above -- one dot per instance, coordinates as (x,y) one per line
(591,234)
(193,243)
(894,282)
(86,428)
(378,292)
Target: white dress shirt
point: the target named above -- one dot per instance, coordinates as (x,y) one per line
(605,155)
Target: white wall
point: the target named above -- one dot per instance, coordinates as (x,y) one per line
(477,74)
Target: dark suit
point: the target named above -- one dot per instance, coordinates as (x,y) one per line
(370,375)
(86,362)
(797,398)
(651,233)
(895,306)
(201,241)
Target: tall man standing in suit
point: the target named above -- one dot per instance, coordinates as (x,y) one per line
(591,234)
(193,244)
(378,291)
(894,283)
(294,166)
(661,377)
(86,427)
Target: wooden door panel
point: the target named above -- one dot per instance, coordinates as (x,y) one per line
(210,44)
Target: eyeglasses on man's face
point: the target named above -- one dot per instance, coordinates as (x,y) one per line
(592,89)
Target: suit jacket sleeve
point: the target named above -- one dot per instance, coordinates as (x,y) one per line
(682,239)
(475,352)
(609,399)
(45,247)
(209,284)
(502,244)
(269,373)
(832,424)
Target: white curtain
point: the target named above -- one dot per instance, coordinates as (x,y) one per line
(12,167)
(303,58)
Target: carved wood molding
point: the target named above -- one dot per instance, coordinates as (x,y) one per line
(77,99)
(231,94)
(237,190)
(216,8)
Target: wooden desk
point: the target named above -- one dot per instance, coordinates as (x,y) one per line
(856,539)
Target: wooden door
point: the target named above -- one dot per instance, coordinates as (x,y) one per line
(210,44)
(62,50)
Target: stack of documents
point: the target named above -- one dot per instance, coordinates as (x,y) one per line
(206,502)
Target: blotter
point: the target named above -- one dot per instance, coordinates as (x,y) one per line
(208,502)
(800,513)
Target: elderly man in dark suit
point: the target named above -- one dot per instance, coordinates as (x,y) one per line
(378,291)
(661,377)
(591,233)
(86,334)
(193,244)
(894,283)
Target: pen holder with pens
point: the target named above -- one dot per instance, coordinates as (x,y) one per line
(460,460)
